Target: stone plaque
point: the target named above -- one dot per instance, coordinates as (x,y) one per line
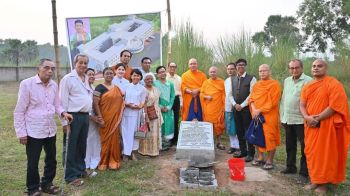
(195,142)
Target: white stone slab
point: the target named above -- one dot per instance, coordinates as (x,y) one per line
(196,142)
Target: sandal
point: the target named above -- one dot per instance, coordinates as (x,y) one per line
(268,166)
(321,189)
(310,187)
(220,146)
(51,189)
(34,193)
(77,182)
(258,162)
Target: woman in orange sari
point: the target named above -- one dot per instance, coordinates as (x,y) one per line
(109,106)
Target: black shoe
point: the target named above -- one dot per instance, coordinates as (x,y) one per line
(240,155)
(248,158)
(232,150)
(288,171)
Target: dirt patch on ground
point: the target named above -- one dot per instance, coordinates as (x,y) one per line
(167,175)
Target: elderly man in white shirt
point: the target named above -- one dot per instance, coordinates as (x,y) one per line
(76,99)
(38,102)
(176,80)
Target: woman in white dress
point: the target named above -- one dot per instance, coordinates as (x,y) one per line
(119,79)
(135,96)
(93,146)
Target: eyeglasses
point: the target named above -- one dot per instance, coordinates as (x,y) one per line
(241,64)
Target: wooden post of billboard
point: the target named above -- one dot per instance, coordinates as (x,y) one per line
(169,56)
(55,37)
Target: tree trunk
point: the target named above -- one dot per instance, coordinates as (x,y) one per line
(55,36)
(169,56)
(17,67)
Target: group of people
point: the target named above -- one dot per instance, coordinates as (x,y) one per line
(100,123)
(312,110)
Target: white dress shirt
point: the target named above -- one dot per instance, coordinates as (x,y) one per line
(176,80)
(75,94)
(245,102)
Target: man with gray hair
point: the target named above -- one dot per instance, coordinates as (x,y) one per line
(292,119)
(76,100)
(38,101)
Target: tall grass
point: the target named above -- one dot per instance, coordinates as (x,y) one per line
(281,53)
(187,44)
(229,48)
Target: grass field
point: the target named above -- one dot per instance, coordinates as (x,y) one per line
(135,178)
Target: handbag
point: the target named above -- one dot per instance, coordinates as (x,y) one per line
(143,129)
(255,133)
(151,112)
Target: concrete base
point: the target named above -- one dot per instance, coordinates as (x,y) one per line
(196,179)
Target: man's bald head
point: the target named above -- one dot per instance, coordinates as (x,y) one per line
(319,68)
(213,72)
(192,64)
(264,72)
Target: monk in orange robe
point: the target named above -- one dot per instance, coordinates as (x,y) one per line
(125,57)
(213,104)
(324,105)
(192,81)
(265,100)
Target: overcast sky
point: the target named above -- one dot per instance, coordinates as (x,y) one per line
(32,19)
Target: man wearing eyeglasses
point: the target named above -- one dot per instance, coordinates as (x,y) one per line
(176,79)
(38,101)
(292,119)
(242,85)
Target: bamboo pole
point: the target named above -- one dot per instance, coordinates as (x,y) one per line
(55,36)
(169,55)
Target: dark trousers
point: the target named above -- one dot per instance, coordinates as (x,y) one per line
(176,110)
(294,133)
(242,121)
(33,151)
(76,146)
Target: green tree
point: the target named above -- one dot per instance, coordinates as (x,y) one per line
(16,51)
(30,50)
(12,50)
(278,29)
(324,22)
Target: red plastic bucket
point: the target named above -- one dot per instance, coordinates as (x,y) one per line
(236,166)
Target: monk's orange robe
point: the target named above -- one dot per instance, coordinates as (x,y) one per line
(213,110)
(111,106)
(191,80)
(266,96)
(326,147)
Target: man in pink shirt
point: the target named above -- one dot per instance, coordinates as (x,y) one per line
(38,101)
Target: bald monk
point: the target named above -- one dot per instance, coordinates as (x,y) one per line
(213,104)
(324,106)
(264,99)
(192,81)
(125,57)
